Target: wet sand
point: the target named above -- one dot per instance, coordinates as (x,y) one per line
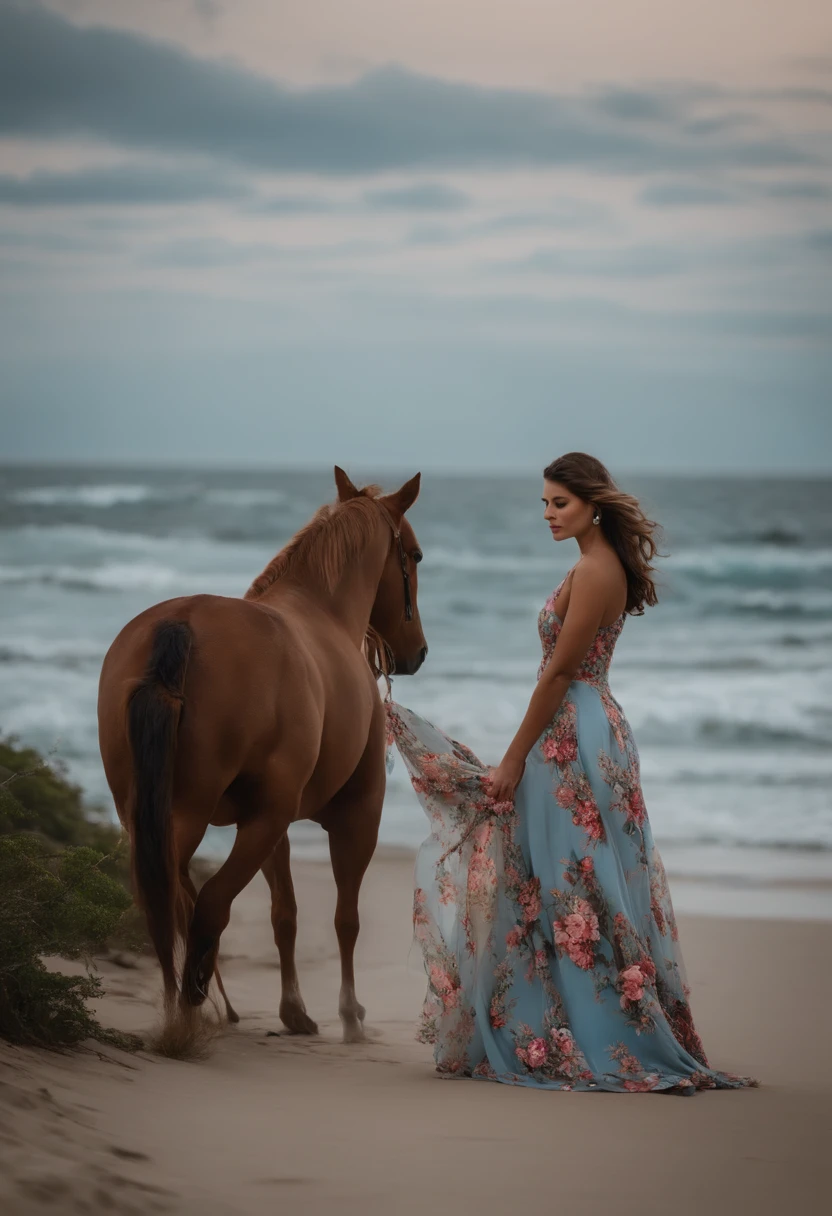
(309,1125)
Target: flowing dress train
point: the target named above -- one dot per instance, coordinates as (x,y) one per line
(546,925)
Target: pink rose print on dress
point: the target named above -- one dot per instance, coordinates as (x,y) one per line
(636,809)
(514,937)
(562,751)
(632,986)
(586,816)
(420,915)
(529,898)
(643,1086)
(560,741)
(575,934)
(632,981)
(497,1015)
(563,1041)
(536,1053)
(565,796)
(482,880)
(574,794)
(636,1080)
(444,986)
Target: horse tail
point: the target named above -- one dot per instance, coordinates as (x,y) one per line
(153,715)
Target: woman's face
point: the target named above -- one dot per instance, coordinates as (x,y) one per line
(565,513)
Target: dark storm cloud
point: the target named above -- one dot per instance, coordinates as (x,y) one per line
(429,196)
(812,327)
(820,97)
(667,105)
(694,194)
(674,105)
(565,215)
(211,252)
(810,191)
(685,194)
(119,184)
(636,262)
(719,124)
(434,234)
(208,10)
(207,253)
(295,205)
(820,241)
(53,242)
(62,80)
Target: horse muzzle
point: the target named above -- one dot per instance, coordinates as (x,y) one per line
(409,666)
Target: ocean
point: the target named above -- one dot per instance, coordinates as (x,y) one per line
(726,683)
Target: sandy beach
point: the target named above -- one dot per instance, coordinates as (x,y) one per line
(316,1126)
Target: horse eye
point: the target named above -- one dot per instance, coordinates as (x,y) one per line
(417,556)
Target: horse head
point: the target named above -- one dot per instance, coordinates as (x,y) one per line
(395,612)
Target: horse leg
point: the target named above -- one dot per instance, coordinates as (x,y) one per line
(255,840)
(278,875)
(352,820)
(190,895)
(188,834)
(352,842)
(230,1012)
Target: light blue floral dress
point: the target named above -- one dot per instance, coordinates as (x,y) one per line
(546,925)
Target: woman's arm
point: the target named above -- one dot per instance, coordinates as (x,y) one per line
(588,598)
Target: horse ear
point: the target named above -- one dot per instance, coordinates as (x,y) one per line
(404,498)
(346,490)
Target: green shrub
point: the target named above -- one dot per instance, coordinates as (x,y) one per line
(62,892)
(36,796)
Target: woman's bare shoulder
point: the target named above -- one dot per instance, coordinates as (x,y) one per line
(600,575)
(603,569)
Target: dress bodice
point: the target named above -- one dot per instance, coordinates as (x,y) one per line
(596,664)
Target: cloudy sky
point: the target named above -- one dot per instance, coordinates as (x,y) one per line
(444,234)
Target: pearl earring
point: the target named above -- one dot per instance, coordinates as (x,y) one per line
(596,519)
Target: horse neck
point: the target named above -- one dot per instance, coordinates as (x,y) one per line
(351,600)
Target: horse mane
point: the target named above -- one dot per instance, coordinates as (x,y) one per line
(323,548)
(379,656)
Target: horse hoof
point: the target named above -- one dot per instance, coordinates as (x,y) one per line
(354,1032)
(298,1021)
(198,979)
(232,1015)
(194,994)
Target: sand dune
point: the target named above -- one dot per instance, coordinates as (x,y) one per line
(314,1126)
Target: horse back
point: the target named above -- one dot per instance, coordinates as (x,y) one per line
(264,685)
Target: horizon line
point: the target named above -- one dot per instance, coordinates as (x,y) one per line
(184,466)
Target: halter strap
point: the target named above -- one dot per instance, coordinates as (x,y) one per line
(408,599)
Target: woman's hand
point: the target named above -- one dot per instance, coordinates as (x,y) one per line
(505,778)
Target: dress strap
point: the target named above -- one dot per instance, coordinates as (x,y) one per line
(559,588)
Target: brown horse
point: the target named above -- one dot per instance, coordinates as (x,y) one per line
(258,712)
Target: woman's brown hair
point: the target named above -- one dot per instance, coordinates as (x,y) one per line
(623,522)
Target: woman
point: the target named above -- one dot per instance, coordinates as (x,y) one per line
(541,903)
